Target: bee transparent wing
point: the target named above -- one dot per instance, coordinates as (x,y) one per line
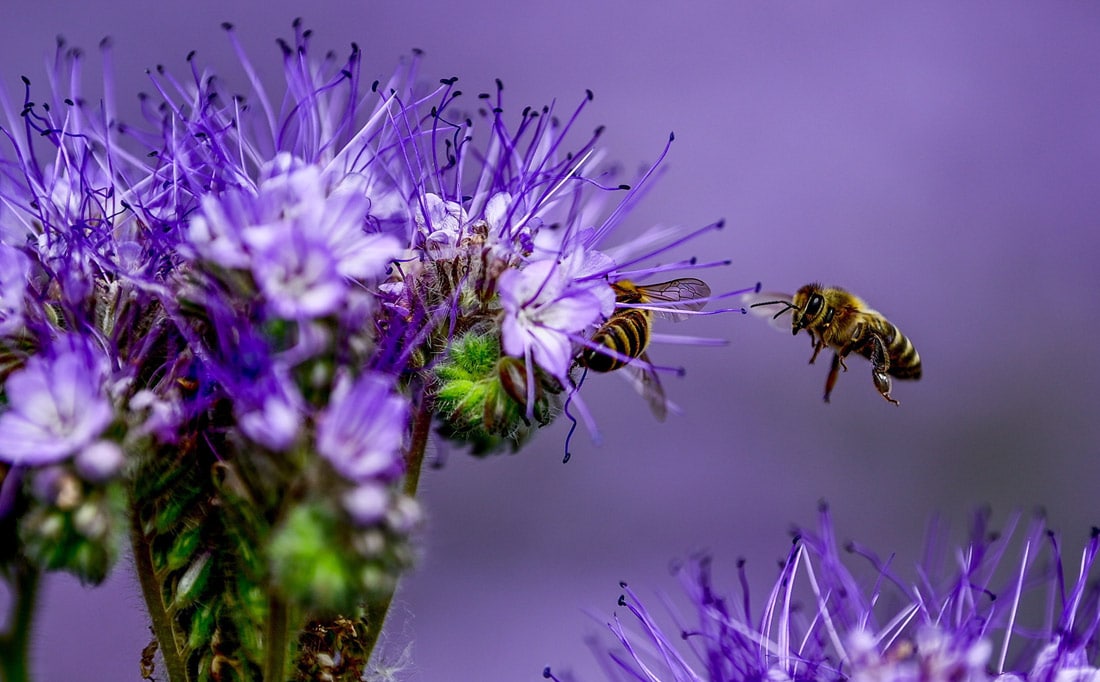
(770,306)
(688,293)
(644,379)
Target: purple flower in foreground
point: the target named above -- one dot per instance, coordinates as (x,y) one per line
(981,616)
(362,431)
(58,406)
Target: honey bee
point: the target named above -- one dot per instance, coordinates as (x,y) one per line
(626,333)
(840,320)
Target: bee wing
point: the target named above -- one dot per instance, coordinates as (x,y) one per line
(644,379)
(770,306)
(687,293)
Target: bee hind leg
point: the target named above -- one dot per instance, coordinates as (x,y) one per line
(880,364)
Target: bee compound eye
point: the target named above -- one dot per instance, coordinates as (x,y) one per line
(813,306)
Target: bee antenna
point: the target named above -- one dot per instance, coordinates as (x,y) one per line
(788,304)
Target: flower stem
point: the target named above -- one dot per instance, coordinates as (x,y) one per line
(159,616)
(276,641)
(414,460)
(15,644)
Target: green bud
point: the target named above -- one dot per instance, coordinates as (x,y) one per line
(184,547)
(307,562)
(193,580)
(203,621)
(482,396)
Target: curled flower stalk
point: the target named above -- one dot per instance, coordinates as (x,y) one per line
(1007,605)
(228,331)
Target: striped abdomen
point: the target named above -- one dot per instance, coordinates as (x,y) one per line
(626,333)
(904,359)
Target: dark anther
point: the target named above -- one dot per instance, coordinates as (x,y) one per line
(500,85)
(190,55)
(622,584)
(227,26)
(105,43)
(624,186)
(418,52)
(448,81)
(345,73)
(589,95)
(374,86)
(622,600)
(1095,533)
(483,95)
(297,23)
(671,136)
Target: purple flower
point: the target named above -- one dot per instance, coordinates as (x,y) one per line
(825,621)
(57,405)
(362,430)
(14,272)
(546,307)
(302,237)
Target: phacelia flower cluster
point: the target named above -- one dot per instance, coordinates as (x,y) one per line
(228,330)
(1006,606)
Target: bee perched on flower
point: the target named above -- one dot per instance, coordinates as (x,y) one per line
(229,334)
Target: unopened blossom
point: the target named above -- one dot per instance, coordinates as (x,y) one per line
(57,406)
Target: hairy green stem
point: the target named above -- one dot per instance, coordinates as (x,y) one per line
(159,616)
(15,644)
(276,642)
(414,460)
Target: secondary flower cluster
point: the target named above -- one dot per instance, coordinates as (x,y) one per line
(970,615)
(233,326)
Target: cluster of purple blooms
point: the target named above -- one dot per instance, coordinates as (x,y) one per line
(252,306)
(1004,606)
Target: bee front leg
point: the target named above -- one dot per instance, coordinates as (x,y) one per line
(818,344)
(880,365)
(834,371)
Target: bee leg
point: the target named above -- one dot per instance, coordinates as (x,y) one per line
(834,370)
(880,365)
(818,344)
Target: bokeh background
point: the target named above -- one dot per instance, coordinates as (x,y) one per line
(942,159)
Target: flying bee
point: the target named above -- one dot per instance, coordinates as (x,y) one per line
(840,320)
(626,333)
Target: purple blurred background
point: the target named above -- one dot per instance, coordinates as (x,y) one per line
(940,159)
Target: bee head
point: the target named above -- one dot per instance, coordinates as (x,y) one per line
(809,303)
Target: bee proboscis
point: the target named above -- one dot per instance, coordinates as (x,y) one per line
(626,333)
(841,321)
